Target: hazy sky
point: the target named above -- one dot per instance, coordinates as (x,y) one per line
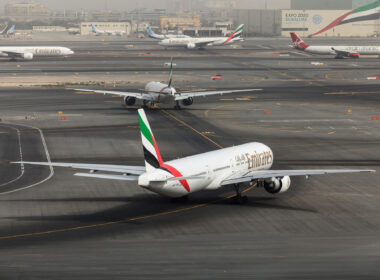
(131,4)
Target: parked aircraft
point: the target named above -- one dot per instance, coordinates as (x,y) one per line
(337,51)
(201,42)
(157,92)
(28,53)
(107,32)
(235,166)
(153,35)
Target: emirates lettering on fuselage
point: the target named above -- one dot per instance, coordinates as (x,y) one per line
(47,51)
(255,159)
(361,49)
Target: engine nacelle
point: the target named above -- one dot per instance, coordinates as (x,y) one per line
(190,46)
(354,55)
(188,101)
(277,185)
(129,100)
(27,56)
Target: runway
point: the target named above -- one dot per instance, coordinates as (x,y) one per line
(79,228)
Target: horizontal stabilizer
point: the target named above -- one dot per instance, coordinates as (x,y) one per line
(108,176)
(179,179)
(125,169)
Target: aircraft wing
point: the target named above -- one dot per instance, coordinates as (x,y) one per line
(124,169)
(265,174)
(14,54)
(342,53)
(138,95)
(187,94)
(204,43)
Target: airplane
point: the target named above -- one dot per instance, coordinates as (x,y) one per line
(28,53)
(236,166)
(153,35)
(337,51)
(201,42)
(157,92)
(107,32)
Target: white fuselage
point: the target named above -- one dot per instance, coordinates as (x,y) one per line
(213,167)
(36,51)
(362,50)
(161,93)
(192,42)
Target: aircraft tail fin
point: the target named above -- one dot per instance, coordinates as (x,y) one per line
(10,31)
(236,34)
(152,155)
(93,28)
(150,32)
(298,42)
(171,72)
(153,35)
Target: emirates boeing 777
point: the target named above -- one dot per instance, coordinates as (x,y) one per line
(337,51)
(157,92)
(28,53)
(201,42)
(236,166)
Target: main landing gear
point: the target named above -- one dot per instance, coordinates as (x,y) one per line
(238,198)
(177,106)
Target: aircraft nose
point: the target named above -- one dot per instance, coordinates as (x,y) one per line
(70,51)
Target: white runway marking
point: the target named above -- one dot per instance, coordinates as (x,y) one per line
(22,168)
(301,121)
(48,160)
(301,53)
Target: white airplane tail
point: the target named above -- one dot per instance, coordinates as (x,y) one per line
(236,35)
(171,72)
(152,156)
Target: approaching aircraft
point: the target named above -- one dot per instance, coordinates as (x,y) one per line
(337,51)
(107,32)
(28,53)
(153,35)
(201,42)
(236,166)
(157,92)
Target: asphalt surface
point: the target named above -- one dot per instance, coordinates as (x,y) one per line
(62,226)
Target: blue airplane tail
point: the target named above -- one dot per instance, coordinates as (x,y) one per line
(93,28)
(11,29)
(151,33)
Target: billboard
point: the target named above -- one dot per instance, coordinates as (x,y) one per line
(323,23)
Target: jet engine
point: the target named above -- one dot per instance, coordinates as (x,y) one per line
(354,55)
(27,56)
(129,100)
(188,101)
(190,46)
(277,185)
